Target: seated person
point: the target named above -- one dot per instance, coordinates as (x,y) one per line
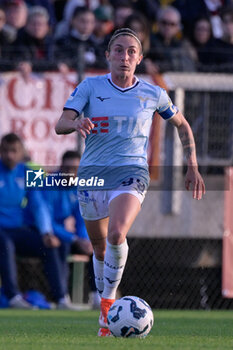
(68,225)
(15,238)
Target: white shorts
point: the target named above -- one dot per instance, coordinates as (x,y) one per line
(94,204)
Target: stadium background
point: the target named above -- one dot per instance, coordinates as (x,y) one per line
(176,244)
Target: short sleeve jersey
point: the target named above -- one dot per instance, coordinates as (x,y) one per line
(116,148)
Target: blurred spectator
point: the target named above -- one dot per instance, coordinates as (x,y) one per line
(227,19)
(6,39)
(224,54)
(205,45)
(48,4)
(149,8)
(16,16)
(138,23)
(103,27)
(64,25)
(78,47)
(16,238)
(34,42)
(169,52)
(191,10)
(72,4)
(122,10)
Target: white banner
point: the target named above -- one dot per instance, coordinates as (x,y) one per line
(31,110)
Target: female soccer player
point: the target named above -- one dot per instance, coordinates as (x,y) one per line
(118,111)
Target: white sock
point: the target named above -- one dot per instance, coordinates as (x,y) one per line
(99,274)
(114,264)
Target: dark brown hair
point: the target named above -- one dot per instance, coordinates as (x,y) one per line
(124,31)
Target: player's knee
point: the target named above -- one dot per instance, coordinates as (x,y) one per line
(116,237)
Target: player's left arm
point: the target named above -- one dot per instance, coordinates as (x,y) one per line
(193,176)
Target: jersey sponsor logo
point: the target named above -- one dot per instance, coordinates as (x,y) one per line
(101,122)
(102,99)
(122,123)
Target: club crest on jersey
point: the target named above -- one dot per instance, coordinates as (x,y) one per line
(143,99)
(146,102)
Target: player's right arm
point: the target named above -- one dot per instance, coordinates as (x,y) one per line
(69,122)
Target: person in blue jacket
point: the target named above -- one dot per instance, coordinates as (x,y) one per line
(15,238)
(68,224)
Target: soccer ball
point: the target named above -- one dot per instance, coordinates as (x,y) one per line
(130,317)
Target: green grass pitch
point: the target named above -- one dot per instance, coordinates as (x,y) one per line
(67,330)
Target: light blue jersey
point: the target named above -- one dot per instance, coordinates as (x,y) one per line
(116,149)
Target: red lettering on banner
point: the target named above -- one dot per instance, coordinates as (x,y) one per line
(11,96)
(32,109)
(48,94)
(40,129)
(17,126)
(38,126)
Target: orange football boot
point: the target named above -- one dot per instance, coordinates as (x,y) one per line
(104,332)
(104,307)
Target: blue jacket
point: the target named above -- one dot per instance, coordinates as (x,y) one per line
(63,203)
(14,197)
